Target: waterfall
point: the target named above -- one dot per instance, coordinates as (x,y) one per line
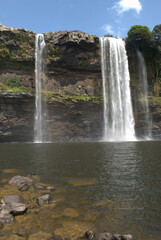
(118,114)
(144,90)
(39,75)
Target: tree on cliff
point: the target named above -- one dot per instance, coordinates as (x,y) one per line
(140,37)
(157,32)
(149,43)
(157,50)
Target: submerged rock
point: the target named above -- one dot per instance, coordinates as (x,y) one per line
(12,199)
(117,237)
(44,199)
(6,217)
(105,236)
(40,236)
(41,186)
(23,187)
(127,237)
(21,182)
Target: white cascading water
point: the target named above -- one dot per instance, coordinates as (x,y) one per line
(118,113)
(39,71)
(144,88)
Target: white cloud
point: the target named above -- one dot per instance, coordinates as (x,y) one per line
(126,5)
(108,29)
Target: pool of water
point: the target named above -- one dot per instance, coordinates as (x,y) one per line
(108,186)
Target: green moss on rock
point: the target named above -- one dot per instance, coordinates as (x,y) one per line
(54,52)
(14,86)
(4,53)
(22,37)
(69,98)
(156,101)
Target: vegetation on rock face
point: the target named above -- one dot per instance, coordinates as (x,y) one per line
(157,58)
(69,98)
(13,86)
(17,45)
(140,36)
(54,53)
(4,52)
(156,102)
(157,32)
(22,89)
(149,43)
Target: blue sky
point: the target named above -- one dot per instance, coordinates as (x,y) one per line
(97,17)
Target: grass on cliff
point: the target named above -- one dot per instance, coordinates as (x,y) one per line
(156,101)
(51,96)
(69,98)
(14,89)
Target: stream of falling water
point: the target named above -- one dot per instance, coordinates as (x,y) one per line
(144,88)
(118,113)
(39,71)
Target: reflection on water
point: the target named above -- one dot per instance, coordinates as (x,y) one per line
(113,187)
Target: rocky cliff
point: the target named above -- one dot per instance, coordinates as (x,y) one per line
(72,87)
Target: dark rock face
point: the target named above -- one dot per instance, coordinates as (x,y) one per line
(65,122)
(74,122)
(16,117)
(73,60)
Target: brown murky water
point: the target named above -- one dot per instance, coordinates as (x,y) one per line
(112,187)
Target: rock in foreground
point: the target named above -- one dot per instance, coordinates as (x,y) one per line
(21,182)
(89,235)
(13,204)
(44,199)
(6,217)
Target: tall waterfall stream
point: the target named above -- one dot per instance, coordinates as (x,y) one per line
(39,74)
(118,113)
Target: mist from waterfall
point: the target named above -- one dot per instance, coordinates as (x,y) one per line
(118,113)
(40,47)
(144,90)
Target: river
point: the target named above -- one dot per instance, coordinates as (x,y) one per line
(113,186)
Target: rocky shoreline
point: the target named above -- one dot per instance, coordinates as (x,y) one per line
(28,196)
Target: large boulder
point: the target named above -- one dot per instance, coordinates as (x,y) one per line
(21,182)
(13,204)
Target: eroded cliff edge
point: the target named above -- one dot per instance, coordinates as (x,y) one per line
(72,87)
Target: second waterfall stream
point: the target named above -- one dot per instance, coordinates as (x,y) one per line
(118,114)
(39,75)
